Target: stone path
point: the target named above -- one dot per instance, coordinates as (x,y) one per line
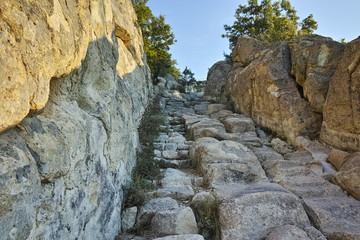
(228,179)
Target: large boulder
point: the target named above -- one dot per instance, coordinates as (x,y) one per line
(341,125)
(217,76)
(348,176)
(252,211)
(261,87)
(246,50)
(314,60)
(223,162)
(63,169)
(335,217)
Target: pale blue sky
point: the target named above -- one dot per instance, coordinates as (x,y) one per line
(198,25)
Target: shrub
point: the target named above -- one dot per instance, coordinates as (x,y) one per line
(147,170)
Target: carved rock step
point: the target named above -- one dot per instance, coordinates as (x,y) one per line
(222,162)
(311,187)
(250,212)
(182,237)
(175,221)
(336,217)
(290,232)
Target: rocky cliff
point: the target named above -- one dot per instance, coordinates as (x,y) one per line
(341,125)
(311,89)
(285,89)
(78,67)
(262,87)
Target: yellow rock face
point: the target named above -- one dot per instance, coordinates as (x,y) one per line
(43,39)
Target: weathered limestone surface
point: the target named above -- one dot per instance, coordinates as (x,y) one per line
(252,210)
(216,80)
(63,169)
(222,162)
(290,232)
(348,176)
(314,60)
(336,218)
(261,87)
(42,40)
(341,125)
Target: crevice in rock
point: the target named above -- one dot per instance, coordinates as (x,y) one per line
(301,91)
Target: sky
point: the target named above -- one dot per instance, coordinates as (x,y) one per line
(198,25)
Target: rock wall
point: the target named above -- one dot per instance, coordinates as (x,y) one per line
(314,61)
(64,167)
(262,87)
(341,125)
(285,89)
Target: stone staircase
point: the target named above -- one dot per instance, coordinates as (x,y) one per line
(228,179)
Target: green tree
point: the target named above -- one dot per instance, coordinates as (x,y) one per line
(268,22)
(188,76)
(158,38)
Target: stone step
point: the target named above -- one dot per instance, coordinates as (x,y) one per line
(174,221)
(250,212)
(183,193)
(316,191)
(335,217)
(182,237)
(152,206)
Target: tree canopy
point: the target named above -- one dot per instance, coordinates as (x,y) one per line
(158,38)
(268,22)
(188,75)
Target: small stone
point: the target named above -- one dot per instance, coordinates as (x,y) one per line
(183,154)
(128,218)
(281,146)
(337,158)
(239,125)
(177,139)
(171,146)
(155,205)
(182,237)
(162,138)
(181,193)
(287,232)
(157,153)
(198,181)
(159,146)
(13,233)
(213,108)
(183,147)
(175,178)
(163,128)
(170,154)
(350,181)
(175,134)
(176,221)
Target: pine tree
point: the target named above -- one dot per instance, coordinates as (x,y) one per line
(268,22)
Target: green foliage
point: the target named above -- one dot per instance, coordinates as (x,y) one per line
(182,85)
(206,214)
(343,41)
(200,85)
(188,76)
(147,169)
(158,38)
(268,22)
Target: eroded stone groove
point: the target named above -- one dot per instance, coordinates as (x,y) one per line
(231,180)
